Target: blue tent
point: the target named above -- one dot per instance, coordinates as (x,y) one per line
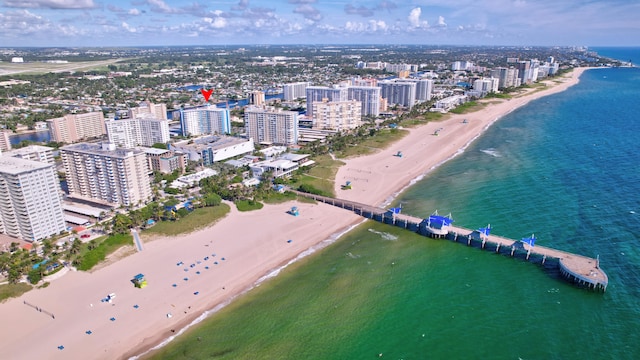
(530,240)
(438,221)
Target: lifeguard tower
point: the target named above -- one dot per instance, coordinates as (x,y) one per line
(139,281)
(398,154)
(294,211)
(347,186)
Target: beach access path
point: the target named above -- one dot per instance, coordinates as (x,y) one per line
(252,243)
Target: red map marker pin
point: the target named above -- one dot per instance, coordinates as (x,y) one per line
(206,93)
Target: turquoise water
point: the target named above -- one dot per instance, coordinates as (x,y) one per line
(565,168)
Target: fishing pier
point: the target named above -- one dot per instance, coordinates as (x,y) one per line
(581,270)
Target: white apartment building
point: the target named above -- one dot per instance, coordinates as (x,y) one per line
(369,98)
(256,98)
(75,127)
(100,172)
(209,120)
(294,91)
(400,92)
(337,115)
(156,111)
(482,87)
(271,126)
(30,199)
(34,153)
(507,77)
(207,150)
(140,131)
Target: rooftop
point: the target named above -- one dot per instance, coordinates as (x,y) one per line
(15,166)
(98,149)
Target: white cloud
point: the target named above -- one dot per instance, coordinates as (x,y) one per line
(441,21)
(134,11)
(50,4)
(217,23)
(368,27)
(414,18)
(161,6)
(128,27)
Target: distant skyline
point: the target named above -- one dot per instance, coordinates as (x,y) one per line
(247,22)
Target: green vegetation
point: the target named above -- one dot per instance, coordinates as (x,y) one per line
(279,198)
(494,95)
(97,250)
(197,219)
(423,119)
(467,107)
(13,290)
(248,205)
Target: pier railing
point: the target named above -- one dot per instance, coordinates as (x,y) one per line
(581,270)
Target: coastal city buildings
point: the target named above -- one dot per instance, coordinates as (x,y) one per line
(102,173)
(30,199)
(140,131)
(482,87)
(209,120)
(157,111)
(75,127)
(294,91)
(268,125)
(507,77)
(319,93)
(337,115)
(209,149)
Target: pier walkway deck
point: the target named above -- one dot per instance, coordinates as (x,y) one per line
(582,270)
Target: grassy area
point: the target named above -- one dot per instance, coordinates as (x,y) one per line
(467,107)
(279,198)
(90,258)
(383,139)
(13,290)
(424,118)
(248,205)
(197,219)
(493,95)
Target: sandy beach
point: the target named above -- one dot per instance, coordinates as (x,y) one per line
(190,274)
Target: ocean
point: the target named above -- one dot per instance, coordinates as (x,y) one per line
(565,168)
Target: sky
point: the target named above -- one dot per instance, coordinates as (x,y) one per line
(248,22)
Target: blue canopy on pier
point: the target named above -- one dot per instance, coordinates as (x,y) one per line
(485,231)
(530,240)
(439,221)
(396,210)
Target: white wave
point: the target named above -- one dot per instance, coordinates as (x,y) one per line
(384,235)
(492,152)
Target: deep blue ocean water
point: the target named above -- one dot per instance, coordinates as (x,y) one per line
(619,53)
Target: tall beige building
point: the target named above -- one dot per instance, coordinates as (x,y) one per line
(337,115)
(103,173)
(75,127)
(30,199)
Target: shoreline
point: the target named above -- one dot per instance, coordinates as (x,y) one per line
(386,177)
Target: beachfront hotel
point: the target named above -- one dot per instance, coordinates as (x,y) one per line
(209,120)
(268,125)
(30,199)
(144,130)
(102,173)
(166,161)
(319,93)
(75,127)
(337,115)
